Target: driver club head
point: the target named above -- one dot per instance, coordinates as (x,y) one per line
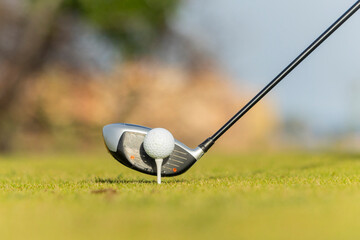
(125,144)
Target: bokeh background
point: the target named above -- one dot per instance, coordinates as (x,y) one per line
(69,67)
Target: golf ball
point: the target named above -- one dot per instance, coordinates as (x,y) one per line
(159,143)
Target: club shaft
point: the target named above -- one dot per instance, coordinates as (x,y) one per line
(282,75)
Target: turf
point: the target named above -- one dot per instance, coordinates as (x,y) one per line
(239,196)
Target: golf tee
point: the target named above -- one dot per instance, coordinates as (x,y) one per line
(158,169)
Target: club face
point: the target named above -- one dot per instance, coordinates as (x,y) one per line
(125,144)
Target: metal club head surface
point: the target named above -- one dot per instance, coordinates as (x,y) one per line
(125,143)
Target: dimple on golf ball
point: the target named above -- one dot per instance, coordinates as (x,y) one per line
(159,143)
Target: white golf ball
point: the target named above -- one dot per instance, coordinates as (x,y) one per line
(159,143)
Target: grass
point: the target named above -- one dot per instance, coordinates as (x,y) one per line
(240,196)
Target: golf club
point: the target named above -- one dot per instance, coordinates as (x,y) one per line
(125,141)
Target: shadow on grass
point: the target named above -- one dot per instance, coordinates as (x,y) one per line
(139,181)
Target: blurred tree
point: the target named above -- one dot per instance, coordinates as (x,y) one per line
(137,25)
(24,59)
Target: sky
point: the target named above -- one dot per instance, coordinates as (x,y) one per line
(254,40)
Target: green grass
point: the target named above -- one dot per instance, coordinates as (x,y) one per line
(244,196)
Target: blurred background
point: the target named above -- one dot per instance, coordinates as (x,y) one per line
(69,67)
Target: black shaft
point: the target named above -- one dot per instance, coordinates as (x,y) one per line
(210,141)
